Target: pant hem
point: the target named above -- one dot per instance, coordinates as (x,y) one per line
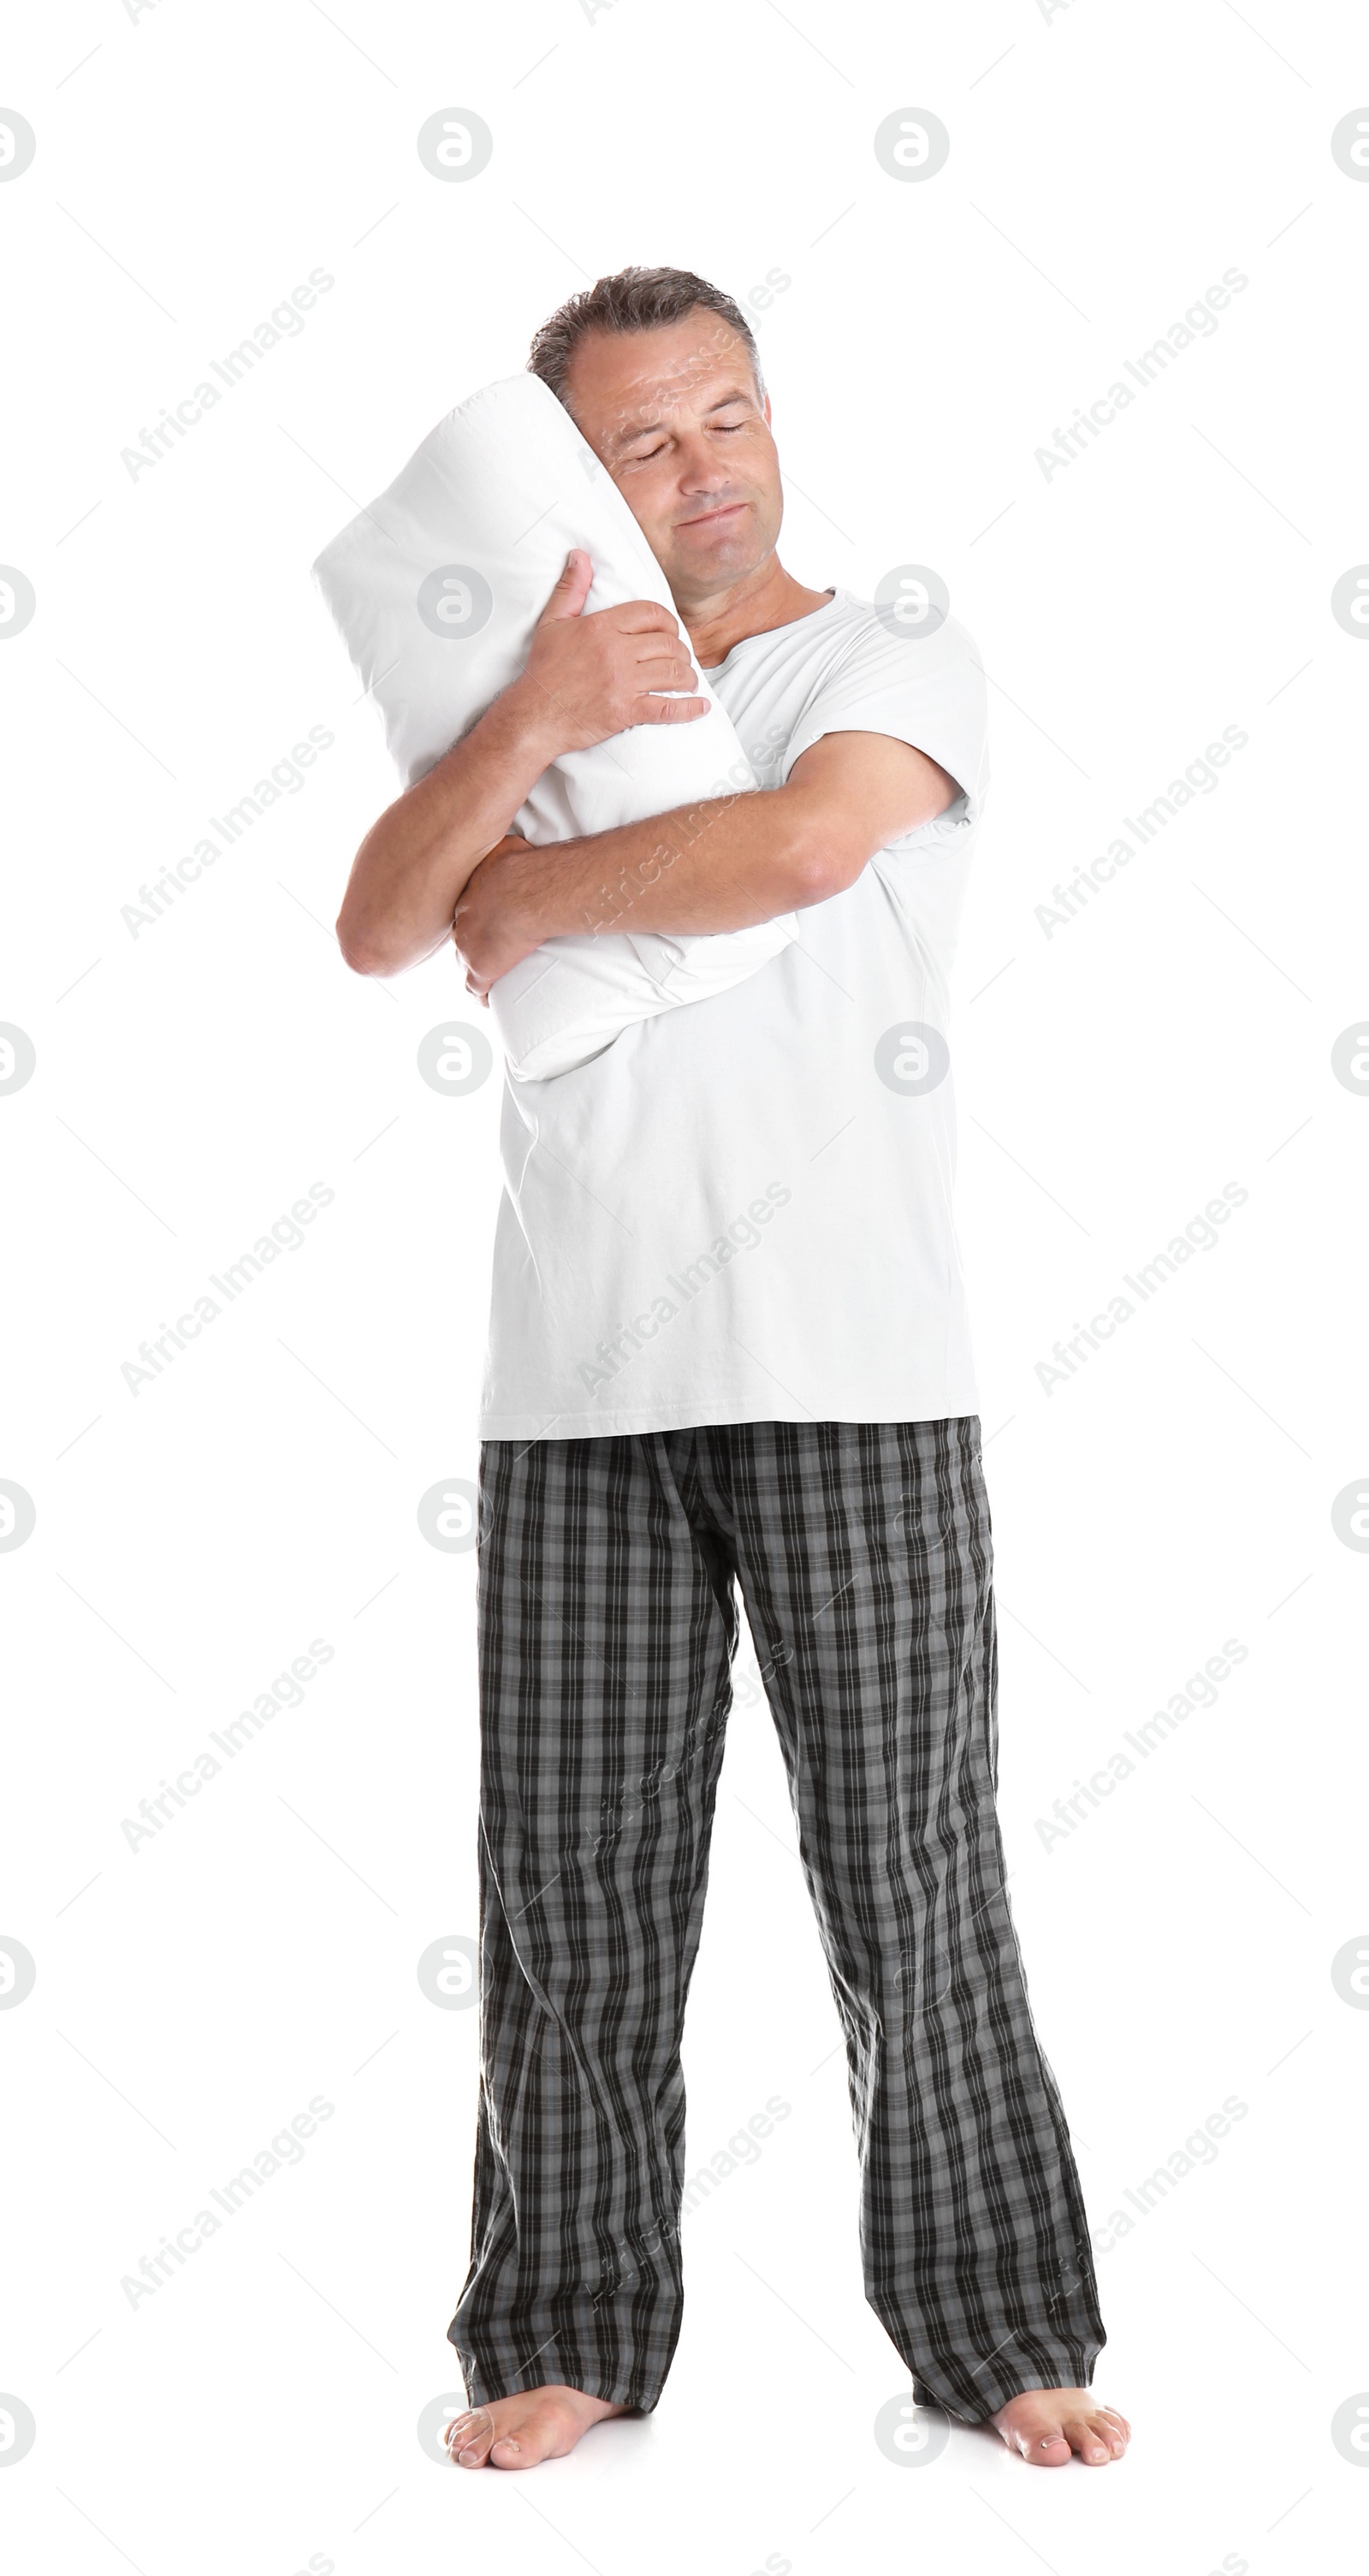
(483,2391)
(996,2388)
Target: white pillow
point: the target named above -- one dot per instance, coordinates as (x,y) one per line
(436,589)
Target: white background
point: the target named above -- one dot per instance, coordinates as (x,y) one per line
(1107,165)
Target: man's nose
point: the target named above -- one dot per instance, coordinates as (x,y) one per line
(701,468)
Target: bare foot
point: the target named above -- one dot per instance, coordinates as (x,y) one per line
(516,2432)
(1048,2425)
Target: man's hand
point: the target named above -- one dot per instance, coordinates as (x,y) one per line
(490,932)
(588,678)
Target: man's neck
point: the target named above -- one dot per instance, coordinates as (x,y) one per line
(761,600)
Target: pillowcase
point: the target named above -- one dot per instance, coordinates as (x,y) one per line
(435,590)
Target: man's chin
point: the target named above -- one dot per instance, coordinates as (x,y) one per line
(704,555)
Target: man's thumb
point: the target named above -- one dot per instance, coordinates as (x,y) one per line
(572,588)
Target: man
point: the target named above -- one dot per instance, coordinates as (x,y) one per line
(729,1346)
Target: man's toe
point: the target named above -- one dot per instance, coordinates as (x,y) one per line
(469,2437)
(1088,2438)
(532,2436)
(1040,2440)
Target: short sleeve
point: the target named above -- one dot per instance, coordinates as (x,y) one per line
(928,693)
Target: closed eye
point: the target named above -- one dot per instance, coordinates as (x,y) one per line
(729,429)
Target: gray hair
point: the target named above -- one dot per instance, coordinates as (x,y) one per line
(637,299)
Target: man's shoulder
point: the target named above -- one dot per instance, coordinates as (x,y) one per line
(900,637)
(882,676)
(855,653)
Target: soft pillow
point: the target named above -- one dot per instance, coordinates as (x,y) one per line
(436,589)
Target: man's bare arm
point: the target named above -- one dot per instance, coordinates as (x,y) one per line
(724,864)
(586,679)
(415,860)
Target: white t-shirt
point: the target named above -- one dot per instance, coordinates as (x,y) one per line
(741,1210)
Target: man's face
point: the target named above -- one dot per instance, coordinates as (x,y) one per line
(674,415)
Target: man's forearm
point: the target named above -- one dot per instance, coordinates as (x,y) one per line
(416,860)
(726,863)
(723,864)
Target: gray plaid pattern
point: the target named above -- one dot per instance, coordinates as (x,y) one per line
(607,1627)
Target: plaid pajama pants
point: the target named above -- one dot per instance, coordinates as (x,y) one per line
(607,1629)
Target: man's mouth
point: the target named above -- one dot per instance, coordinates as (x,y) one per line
(707,518)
